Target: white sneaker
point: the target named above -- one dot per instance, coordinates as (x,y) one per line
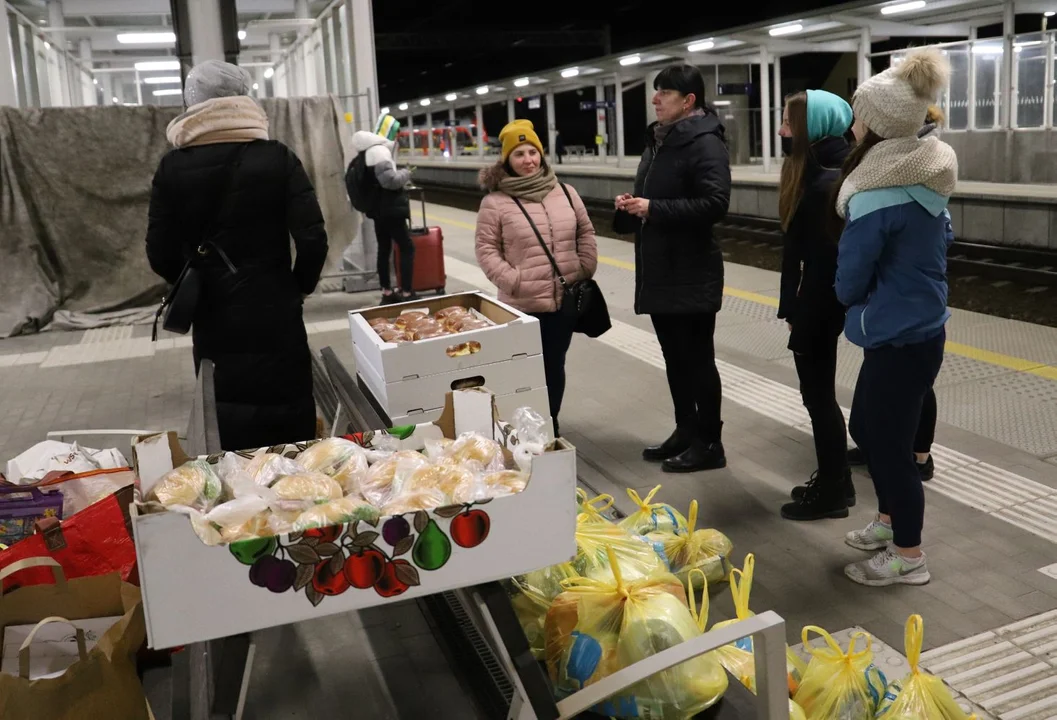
(876,536)
(889,568)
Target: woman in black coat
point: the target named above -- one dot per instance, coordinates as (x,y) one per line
(814,125)
(682,188)
(227,183)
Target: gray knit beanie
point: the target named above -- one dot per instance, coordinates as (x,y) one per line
(893,103)
(213,79)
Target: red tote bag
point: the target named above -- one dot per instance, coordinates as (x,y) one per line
(95,541)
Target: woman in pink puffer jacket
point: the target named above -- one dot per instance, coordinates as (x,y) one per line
(510,253)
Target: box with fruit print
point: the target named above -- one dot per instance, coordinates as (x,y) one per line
(194,592)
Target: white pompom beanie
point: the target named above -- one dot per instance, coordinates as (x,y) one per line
(894,103)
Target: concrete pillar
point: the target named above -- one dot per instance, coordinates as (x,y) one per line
(58,40)
(106,80)
(779,103)
(258,78)
(1005,117)
(410,135)
(207,40)
(429,134)
(511,111)
(360,27)
(88,93)
(765,108)
(619,95)
(865,46)
(600,120)
(301,13)
(971,99)
(8,88)
(551,129)
(453,135)
(480,129)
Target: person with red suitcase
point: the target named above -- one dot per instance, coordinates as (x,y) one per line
(378,189)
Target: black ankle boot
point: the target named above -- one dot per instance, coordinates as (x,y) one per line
(814,483)
(817,503)
(678,443)
(698,457)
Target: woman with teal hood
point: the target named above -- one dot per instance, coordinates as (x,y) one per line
(814,125)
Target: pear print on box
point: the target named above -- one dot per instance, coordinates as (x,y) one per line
(331,560)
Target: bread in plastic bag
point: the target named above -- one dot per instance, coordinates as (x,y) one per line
(738,658)
(707,550)
(306,489)
(596,542)
(256,526)
(336,512)
(341,459)
(919,696)
(477,487)
(377,485)
(472,446)
(445,479)
(266,468)
(597,627)
(194,484)
(531,596)
(653,517)
(840,685)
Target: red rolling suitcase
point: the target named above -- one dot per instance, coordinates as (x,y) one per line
(429,255)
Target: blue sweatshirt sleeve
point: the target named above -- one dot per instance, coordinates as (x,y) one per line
(860,248)
(948,229)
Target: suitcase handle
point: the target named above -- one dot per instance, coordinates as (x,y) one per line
(422,196)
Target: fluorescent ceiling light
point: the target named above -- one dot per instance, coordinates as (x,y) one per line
(451,97)
(269,72)
(424,102)
(402,106)
(116,101)
(483,90)
(242,34)
(902,7)
(47,46)
(256,86)
(385,110)
(162,80)
(988,50)
(167,91)
(147,38)
(95,81)
(630,60)
(786,30)
(158,65)
(700,46)
(1048,14)
(570,72)
(521,82)
(721,103)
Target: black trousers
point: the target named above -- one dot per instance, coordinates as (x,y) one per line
(386,232)
(885,416)
(926,424)
(690,360)
(556,331)
(817,370)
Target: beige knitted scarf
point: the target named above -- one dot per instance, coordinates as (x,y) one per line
(532,188)
(902,162)
(220,120)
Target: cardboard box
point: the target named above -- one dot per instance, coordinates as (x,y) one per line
(514,335)
(536,399)
(415,396)
(193,592)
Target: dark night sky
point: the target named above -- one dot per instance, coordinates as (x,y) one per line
(415,72)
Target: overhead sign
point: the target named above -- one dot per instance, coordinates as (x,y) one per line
(534,103)
(597,104)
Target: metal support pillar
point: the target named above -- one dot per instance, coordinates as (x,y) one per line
(301,13)
(865,70)
(88,93)
(453,135)
(360,27)
(600,120)
(429,134)
(410,135)
(619,96)
(779,106)
(1047,93)
(971,90)
(511,110)
(765,109)
(204,26)
(139,88)
(58,40)
(551,130)
(480,129)
(1005,116)
(258,79)
(8,88)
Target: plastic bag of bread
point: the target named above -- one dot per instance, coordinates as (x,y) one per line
(266,468)
(301,491)
(194,484)
(653,517)
(708,550)
(738,658)
(336,512)
(256,526)
(439,449)
(341,459)
(840,685)
(475,447)
(531,596)
(596,542)
(377,485)
(445,479)
(414,500)
(486,487)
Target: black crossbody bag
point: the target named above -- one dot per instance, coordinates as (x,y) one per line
(177,310)
(583,301)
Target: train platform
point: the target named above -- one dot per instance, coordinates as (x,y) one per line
(991,520)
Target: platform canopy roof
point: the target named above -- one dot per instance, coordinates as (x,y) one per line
(839,29)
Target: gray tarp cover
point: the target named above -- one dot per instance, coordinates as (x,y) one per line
(74,190)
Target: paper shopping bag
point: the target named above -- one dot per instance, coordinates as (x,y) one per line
(95,541)
(103,682)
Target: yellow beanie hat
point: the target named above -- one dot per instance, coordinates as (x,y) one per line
(517,133)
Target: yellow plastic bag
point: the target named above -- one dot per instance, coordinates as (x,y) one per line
(653,517)
(598,627)
(738,658)
(593,540)
(796,712)
(532,594)
(840,685)
(593,509)
(919,696)
(705,550)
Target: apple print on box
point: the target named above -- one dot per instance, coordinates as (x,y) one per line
(328,561)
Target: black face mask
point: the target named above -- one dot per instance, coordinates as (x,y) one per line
(787,146)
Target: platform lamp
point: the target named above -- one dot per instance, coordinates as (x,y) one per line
(1046,19)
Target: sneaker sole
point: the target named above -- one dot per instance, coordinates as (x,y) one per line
(871,547)
(917,579)
(831,515)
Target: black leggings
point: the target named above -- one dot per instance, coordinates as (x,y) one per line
(386,232)
(817,370)
(556,331)
(885,416)
(926,424)
(693,379)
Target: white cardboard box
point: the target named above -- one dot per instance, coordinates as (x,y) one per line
(536,399)
(514,335)
(426,393)
(193,592)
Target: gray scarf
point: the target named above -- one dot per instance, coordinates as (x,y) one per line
(661,130)
(532,187)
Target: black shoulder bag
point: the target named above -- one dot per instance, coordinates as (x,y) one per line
(177,309)
(583,301)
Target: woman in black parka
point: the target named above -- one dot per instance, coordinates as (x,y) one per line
(682,188)
(248,322)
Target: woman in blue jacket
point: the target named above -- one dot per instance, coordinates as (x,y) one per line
(891,275)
